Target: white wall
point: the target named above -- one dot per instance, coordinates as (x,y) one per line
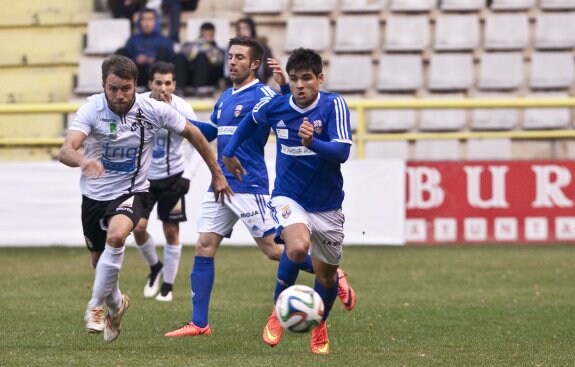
(40,204)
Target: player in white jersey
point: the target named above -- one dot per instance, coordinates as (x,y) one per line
(117,128)
(251,193)
(313,140)
(168,187)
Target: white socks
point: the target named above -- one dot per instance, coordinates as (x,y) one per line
(172,255)
(106,279)
(148,251)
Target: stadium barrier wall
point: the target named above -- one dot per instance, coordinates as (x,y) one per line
(40,204)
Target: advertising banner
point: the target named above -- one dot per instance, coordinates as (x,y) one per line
(490,202)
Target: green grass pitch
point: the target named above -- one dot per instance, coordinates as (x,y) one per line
(416,306)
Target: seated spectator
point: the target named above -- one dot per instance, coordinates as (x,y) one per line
(200,64)
(246,27)
(148,45)
(125,8)
(173,9)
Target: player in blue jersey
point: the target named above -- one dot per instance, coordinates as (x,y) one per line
(250,193)
(313,140)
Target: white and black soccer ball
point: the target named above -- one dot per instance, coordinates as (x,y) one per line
(299,308)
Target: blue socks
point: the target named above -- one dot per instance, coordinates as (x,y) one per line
(306,265)
(287,274)
(328,296)
(202,282)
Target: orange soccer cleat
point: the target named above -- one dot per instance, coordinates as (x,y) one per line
(319,339)
(190,330)
(345,292)
(273,331)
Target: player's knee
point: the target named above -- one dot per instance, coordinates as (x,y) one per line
(115,239)
(207,249)
(297,250)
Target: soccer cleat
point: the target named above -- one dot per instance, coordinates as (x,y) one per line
(113,323)
(319,340)
(345,292)
(190,330)
(94,318)
(273,331)
(153,281)
(164,297)
(165,294)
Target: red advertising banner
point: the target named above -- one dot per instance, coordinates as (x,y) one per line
(490,202)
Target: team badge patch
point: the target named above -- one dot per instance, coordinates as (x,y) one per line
(238,110)
(317,126)
(286,211)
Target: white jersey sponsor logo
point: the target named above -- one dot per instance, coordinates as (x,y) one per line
(297,151)
(226,130)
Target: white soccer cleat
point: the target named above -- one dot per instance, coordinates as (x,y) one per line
(164,298)
(94,318)
(113,323)
(152,286)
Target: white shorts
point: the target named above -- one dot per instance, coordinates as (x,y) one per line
(250,208)
(326,228)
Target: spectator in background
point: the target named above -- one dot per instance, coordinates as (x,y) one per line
(173,9)
(125,8)
(246,27)
(148,45)
(200,64)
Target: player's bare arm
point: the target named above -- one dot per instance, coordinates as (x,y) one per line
(234,166)
(306,132)
(70,156)
(219,183)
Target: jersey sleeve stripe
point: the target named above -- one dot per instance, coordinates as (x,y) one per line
(268,91)
(341,118)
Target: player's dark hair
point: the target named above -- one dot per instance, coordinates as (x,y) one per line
(121,66)
(304,59)
(161,67)
(256,48)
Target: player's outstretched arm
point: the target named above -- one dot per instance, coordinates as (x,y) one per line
(70,156)
(220,185)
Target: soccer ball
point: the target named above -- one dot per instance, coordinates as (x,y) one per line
(299,308)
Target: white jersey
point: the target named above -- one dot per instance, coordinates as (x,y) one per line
(122,143)
(168,152)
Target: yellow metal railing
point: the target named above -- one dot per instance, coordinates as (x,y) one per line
(361,136)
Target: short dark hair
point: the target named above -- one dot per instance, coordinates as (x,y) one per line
(121,66)
(256,48)
(207,26)
(161,67)
(304,59)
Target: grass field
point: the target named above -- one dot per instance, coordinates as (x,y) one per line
(417,306)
